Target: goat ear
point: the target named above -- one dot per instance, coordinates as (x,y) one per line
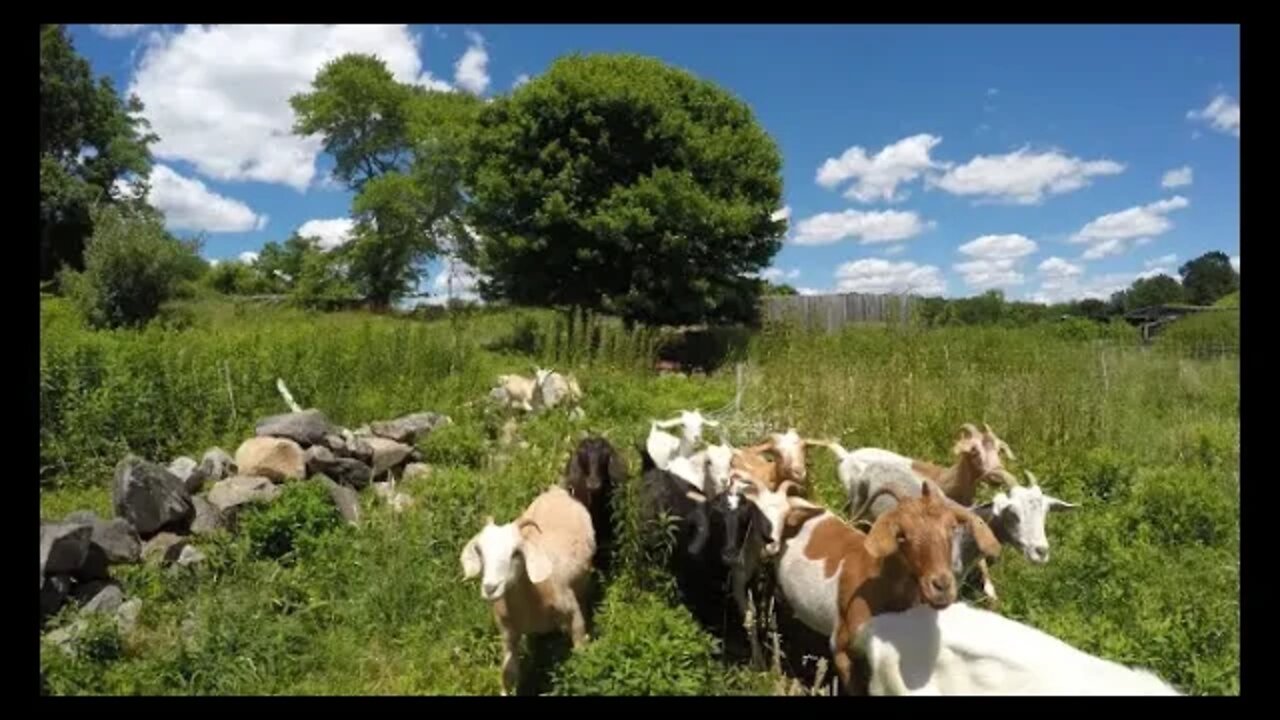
(987,541)
(1056,504)
(471,563)
(617,468)
(882,541)
(802,511)
(536,563)
(999,502)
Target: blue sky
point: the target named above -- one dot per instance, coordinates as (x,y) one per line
(1049,162)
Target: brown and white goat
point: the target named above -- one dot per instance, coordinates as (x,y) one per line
(835,578)
(789,449)
(535,572)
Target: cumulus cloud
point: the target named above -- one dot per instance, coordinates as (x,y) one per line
(1055,268)
(118,31)
(1177,177)
(867,227)
(1235,262)
(218,96)
(774,274)
(1022,177)
(329,233)
(471,72)
(1222,113)
(783,213)
(995,260)
(188,204)
(248,257)
(1111,234)
(878,276)
(877,177)
(1075,287)
(521,79)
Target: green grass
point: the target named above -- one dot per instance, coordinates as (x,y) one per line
(1145,572)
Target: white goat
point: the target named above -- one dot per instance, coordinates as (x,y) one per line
(554,388)
(663,446)
(963,650)
(518,391)
(535,573)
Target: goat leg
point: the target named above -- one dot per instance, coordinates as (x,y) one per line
(510,661)
(988,588)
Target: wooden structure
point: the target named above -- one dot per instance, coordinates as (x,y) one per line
(833,312)
(1153,318)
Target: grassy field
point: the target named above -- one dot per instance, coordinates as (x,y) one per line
(1147,439)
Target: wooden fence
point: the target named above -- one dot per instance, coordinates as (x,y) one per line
(832,312)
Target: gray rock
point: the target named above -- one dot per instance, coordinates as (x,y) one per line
(105,598)
(127,615)
(277,458)
(387,454)
(94,567)
(208,518)
(53,594)
(190,556)
(336,443)
(163,549)
(63,547)
(345,499)
(215,465)
(150,497)
(416,470)
(228,496)
(360,449)
(346,471)
(116,538)
(183,468)
(409,428)
(308,427)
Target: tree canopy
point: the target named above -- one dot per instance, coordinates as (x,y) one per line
(1209,277)
(89,139)
(621,184)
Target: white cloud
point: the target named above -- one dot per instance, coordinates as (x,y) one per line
(1177,177)
(1235,262)
(213,262)
(1162,261)
(996,260)
(868,227)
(810,291)
(774,274)
(471,72)
(878,276)
(331,233)
(464,282)
(783,213)
(521,79)
(1022,177)
(877,177)
(1110,233)
(1055,268)
(1222,113)
(218,96)
(188,204)
(118,31)
(999,246)
(895,249)
(248,257)
(1100,287)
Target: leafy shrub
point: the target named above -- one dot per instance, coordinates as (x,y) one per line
(132,266)
(456,444)
(645,647)
(288,526)
(1205,333)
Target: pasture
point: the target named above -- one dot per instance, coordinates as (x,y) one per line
(1146,440)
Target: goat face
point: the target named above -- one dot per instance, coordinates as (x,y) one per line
(500,554)
(920,530)
(982,450)
(1020,516)
(744,525)
(594,467)
(778,508)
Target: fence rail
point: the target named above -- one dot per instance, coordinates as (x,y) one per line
(832,312)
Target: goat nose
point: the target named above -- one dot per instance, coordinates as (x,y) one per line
(941,584)
(490,589)
(1040,553)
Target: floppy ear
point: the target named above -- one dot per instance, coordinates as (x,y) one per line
(711,423)
(882,541)
(1056,504)
(802,511)
(987,541)
(536,563)
(471,563)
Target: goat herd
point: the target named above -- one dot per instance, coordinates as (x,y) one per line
(881,588)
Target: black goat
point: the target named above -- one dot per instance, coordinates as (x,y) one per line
(593,474)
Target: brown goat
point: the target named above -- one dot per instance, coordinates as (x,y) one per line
(835,578)
(977,460)
(789,449)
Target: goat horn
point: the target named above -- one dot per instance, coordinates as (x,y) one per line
(1007,450)
(969,429)
(1032,478)
(987,427)
(528,522)
(787,486)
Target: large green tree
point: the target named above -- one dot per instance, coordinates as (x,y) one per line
(1209,277)
(89,139)
(1157,290)
(619,183)
(400,147)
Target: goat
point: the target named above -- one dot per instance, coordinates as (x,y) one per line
(518,391)
(761,470)
(535,572)
(718,466)
(553,388)
(961,650)
(835,577)
(978,460)
(789,448)
(594,472)
(663,446)
(1016,519)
